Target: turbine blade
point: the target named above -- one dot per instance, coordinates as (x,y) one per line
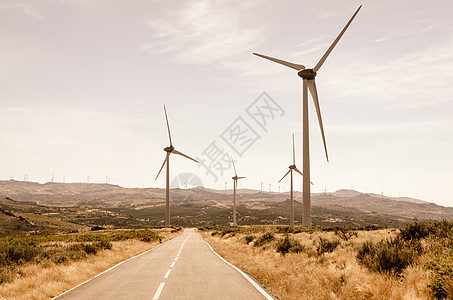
(323,59)
(282,62)
(297,170)
(235,174)
(241,177)
(314,94)
(182,154)
(294,152)
(284,175)
(168,126)
(165,161)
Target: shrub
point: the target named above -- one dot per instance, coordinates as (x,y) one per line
(176,229)
(442,284)
(249,239)
(286,245)
(18,252)
(388,257)
(264,239)
(91,248)
(326,246)
(416,231)
(105,244)
(96,228)
(4,278)
(345,233)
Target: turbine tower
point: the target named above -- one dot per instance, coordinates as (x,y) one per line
(235,183)
(170,149)
(308,75)
(290,171)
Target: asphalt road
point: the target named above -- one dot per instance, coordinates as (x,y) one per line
(182,268)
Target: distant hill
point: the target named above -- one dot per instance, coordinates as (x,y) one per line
(352,193)
(145,204)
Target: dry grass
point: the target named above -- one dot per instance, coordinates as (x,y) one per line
(44,281)
(307,275)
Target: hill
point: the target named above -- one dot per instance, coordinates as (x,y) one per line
(104,205)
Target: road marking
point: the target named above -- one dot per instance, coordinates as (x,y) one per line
(255,285)
(118,264)
(159,290)
(161,286)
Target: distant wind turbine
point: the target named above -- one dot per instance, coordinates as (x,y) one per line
(308,75)
(290,171)
(235,183)
(170,149)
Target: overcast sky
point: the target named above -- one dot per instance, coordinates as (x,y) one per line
(82,84)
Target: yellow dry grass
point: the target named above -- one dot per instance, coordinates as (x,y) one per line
(335,275)
(44,281)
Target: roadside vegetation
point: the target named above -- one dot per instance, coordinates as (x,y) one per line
(43,266)
(415,262)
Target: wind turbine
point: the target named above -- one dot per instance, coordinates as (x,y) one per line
(170,149)
(290,171)
(235,183)
(308,75)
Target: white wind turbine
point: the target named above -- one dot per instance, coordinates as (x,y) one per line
(170,149)
(235,183)
(290,171)
(308,75)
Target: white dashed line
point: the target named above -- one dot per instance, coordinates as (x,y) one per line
(159,290)
(161,286)
(118,264)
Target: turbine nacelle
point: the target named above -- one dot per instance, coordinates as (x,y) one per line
(308,74)
(292,167)
(169,149)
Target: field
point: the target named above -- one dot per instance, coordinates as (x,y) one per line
(415,262)
(43,266)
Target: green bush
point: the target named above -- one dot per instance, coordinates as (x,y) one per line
(442,267)
(416,231)
(287,245)
(326,246)
(264,239)
(105,244)
(389,256)
(18,252)
(91,248)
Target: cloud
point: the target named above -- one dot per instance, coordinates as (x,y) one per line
(32,13)
(405,33)
(413,80)
(27,10)
(205,32)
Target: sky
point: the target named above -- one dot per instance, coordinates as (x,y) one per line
(83,84)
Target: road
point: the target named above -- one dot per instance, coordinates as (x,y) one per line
(182,268)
